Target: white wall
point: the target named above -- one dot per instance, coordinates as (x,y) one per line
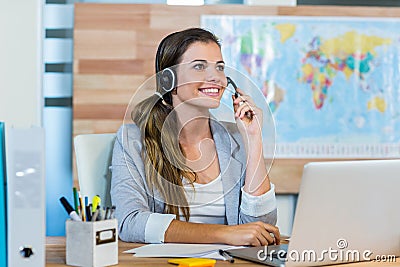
(21,65)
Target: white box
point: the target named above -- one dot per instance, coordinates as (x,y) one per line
(92,243)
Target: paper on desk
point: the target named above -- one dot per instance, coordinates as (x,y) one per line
(175,250)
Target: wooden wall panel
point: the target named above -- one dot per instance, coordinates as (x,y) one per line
(101,81)
(115,44)
(114,50)
(107,17)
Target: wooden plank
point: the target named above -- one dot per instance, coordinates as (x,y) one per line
(105,81)
(112,16)
(109,97)
(144,52)
(104,44)
(184,21)
(100,111)
(96,126)
(75,67)
(103,66)
(146,37)
(149,66)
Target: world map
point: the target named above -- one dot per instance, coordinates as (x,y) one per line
(333,85)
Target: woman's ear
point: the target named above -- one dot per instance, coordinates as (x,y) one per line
(174,91)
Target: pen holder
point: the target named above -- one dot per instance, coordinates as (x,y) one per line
(92,243)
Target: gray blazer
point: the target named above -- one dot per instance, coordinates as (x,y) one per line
(134,200)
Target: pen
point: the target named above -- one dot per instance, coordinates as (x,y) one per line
(88,214)
(87,209)
(103,214)
(106,217)
(227,257)
(95,214)
(100,214)
(95,202)
(71,212)
(75,199)
(112,212)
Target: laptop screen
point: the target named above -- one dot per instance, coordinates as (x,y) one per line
(3,213)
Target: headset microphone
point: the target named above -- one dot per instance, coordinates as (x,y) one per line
(249,115)
(230,81)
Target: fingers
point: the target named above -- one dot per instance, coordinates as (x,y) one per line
(244,107)
(274,231)
(253,234)
(263,237)
(267,238)
(235,105)
(245,111)
(270,233)
(266,234)
(243,98)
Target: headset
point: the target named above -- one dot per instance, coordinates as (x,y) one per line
(166,78)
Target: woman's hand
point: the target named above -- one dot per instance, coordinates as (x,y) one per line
(251,234)
(248,116)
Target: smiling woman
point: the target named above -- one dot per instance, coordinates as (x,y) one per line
(201,75)
(178,174)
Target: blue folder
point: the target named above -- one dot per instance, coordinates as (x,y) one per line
(3,213)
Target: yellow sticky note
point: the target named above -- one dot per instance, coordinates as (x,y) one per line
(193,262)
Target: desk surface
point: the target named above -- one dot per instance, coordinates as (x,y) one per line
(55,256)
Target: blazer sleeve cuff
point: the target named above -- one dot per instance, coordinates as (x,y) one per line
(256,206)
(156,226)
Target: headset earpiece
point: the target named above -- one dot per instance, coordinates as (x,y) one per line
(167,79)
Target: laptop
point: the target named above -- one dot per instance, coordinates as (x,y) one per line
(347,211)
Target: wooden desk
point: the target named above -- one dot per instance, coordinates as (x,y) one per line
(55,256)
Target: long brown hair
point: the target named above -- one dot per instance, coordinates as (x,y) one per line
(164,162)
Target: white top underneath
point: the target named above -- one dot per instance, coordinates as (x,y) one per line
(206,202)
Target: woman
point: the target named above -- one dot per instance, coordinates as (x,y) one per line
(178,175)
